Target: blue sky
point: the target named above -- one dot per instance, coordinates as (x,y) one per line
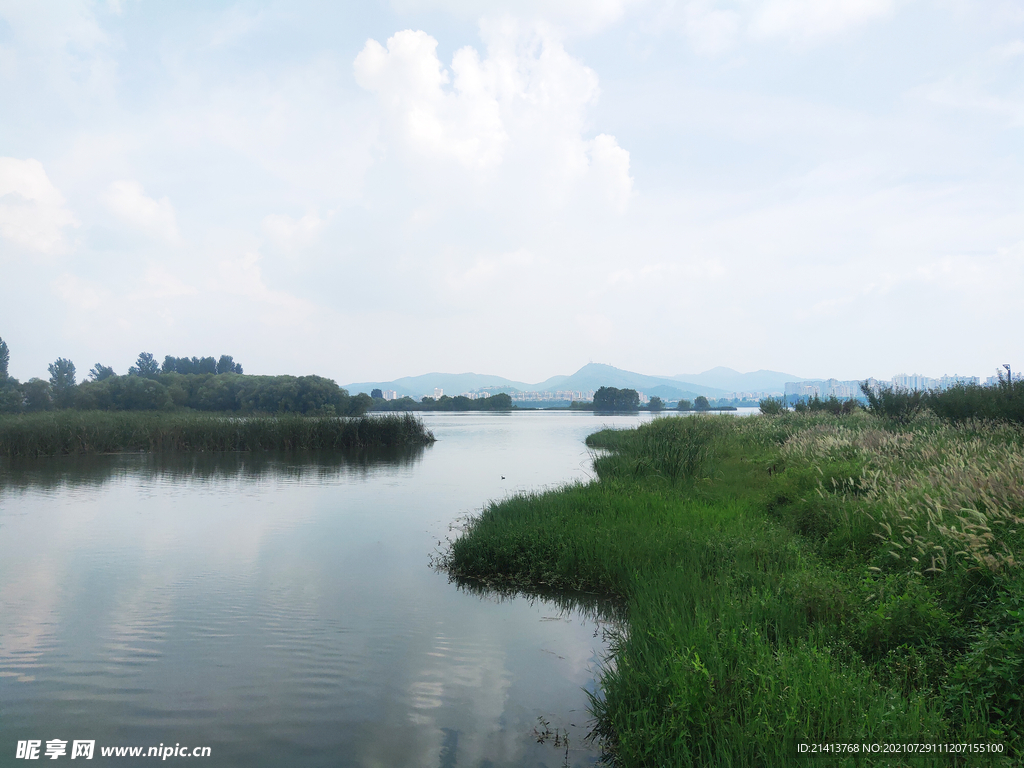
(373,190)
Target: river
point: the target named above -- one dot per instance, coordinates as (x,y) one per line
(282,611)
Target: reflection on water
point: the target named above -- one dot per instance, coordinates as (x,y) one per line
(604,612)
(281,609)
(84,471)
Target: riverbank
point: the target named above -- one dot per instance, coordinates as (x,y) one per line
(59,433)
(799,579)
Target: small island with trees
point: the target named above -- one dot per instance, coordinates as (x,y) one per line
(196,403)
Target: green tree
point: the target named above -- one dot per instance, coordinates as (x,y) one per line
(145,366)
(376,394)
(38,395)
(5,359)
(612,400)
(99,372)
(499,402)
(684,405)
(701,403)
(656,404)
(227,364)
(62,382)
(12,399)
(894,403)
(359,404)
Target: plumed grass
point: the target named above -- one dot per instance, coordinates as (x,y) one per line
(58,433)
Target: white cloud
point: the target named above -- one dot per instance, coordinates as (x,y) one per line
(516,118)
(710,29)
(129,202)
(1010,50)
(32,211)
(812,19)
(571,16)
(609,166)
(80,293)
(291,233)
(716,26)
(243,276)
(160,283)
(463,123)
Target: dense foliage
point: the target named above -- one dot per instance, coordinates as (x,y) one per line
(803,578)
(897,405)
(831,404)
(613,400)
(499,402)
(1004,402)
(201,392)
(200,384)
(226,364)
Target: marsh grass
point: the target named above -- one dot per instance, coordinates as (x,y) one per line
(763,606)
(673,450)
(59,433)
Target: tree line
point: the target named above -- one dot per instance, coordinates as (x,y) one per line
(499,402)
(196,383)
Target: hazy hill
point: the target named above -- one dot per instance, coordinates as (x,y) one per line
(595,375)
(589,377)
(733,381)
(452,384)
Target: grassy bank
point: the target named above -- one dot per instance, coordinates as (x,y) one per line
(791,579)
(82,432)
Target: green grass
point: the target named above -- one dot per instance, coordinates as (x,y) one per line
(59,433)
(764,606)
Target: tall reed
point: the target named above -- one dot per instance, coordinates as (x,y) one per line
(83,432)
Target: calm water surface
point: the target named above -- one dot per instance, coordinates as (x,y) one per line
(282,610)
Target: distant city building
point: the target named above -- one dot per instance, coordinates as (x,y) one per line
(844,390)
(992,381)
(438,393)
(390,394)
(547,397)
(749,395)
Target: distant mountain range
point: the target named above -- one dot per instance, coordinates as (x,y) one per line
(713,383)
(734,381)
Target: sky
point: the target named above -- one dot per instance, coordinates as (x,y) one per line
(371,190)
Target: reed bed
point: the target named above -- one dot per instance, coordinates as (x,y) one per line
(764,605)
(60,433)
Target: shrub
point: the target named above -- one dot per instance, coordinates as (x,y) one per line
(894,403)
(1004,402)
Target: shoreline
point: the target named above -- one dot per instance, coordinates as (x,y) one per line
(766,605)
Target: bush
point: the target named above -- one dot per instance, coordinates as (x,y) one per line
(1004,402)
(893,403)
(772,406)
